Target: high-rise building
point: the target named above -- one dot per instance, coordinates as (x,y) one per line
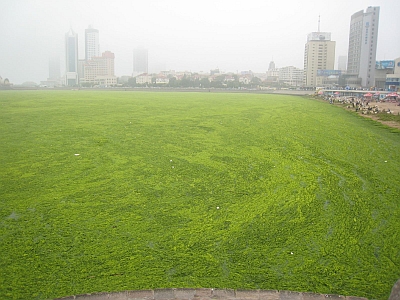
(54,78)
(319,54)
(54,68)
(342,63)
(100,70)
(271,65)
(81,74)
(92,47)
(362,45)
(272,73)
(140,61)
(71,58)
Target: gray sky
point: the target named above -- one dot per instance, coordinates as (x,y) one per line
(182,34)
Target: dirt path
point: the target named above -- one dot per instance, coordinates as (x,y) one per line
(382,106)
(389,105)
(392,124)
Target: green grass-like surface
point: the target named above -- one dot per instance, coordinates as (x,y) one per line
(308,194)
(389,117)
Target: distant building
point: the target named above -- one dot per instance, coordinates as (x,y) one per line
(140,61)
(81,69)
(245,78)
(230,77)
(161,79)
(342,63)
(272,73)
(271,65)
(71,58)
(100,70)
(168,73)
(262,76)
(54,68)
(383,68)
(393,80)
(92,47)
(249,72)
(328,78)
(143,78)
(362,45)
(54,78)
(291,76)
(319,54)
(4,82)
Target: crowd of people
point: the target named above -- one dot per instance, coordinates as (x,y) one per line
(359,104)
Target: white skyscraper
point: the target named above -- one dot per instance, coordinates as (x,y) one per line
(362,45)
(92,47)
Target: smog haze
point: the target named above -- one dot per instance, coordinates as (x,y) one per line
(182,35)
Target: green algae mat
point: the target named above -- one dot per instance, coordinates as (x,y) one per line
(109,191)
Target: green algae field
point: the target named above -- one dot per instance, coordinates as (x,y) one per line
(120,190)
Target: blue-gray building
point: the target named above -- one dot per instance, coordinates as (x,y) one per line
(71,58)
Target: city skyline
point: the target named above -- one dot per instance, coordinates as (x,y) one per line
(222,35)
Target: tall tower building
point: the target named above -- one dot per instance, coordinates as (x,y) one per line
(272,73)
(319,54)
(54,68)
(71,58)
(362,45)
(342,63)
(92,47)
(271,65)
(140,61)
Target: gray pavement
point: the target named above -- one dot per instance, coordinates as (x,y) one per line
(210,294)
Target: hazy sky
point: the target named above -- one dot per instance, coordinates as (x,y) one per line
(182,34)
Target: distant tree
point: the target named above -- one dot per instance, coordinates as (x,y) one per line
(205,83)
(186,82)
(196,82)
(233,84)
(220,78)
(173,82)
(132,81)
(216,84)
(86,84)
(255,82)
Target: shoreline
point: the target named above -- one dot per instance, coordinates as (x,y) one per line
(394,108)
